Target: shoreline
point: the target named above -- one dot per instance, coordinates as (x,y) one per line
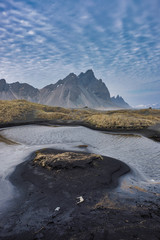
(152,132)
(33,214)
(42,191)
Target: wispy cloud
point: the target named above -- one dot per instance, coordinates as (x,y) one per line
(42,41)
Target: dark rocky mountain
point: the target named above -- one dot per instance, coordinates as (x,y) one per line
(25,91)
(119,101)
(18,91)
(72,92)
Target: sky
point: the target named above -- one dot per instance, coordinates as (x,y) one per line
(43,41)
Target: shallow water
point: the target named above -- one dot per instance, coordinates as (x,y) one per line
(140,153)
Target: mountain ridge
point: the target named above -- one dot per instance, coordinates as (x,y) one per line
(84,90)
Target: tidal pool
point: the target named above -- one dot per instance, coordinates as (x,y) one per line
(140,153)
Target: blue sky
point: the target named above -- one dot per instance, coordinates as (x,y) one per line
(43,41)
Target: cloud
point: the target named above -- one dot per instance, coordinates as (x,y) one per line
(118,39)
(84,17)
(100,29)
(30,32)
(142,106)
(2,5)
(25,23)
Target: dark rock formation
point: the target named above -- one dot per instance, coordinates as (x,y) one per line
(119,101)
(3,85)
(25,91)
(72,92)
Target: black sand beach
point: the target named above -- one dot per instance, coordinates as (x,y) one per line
(47,207)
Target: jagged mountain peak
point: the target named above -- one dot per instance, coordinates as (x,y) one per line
(71,79)
(3,85)
(2,80)
(72,92)
(88,75)
(70,76)
(119,101)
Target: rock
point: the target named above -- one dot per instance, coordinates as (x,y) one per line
(57,209)
(80,200)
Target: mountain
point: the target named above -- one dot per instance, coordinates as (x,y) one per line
(119,101)
(18,91)
(84,90)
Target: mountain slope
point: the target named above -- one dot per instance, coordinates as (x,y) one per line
(119,101)
(72,92)
(18,91)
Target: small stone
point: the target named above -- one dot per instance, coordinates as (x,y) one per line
(57,209)
(81,199)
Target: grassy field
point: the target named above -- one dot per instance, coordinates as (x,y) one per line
(18,111)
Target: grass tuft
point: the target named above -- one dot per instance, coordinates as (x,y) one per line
(17,111)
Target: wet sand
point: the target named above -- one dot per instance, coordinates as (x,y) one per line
(152,132)
(47,205)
